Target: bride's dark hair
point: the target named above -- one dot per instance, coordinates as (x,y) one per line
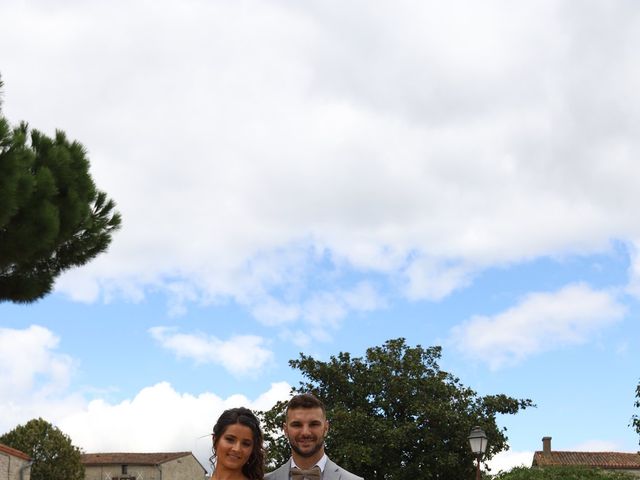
(254,468)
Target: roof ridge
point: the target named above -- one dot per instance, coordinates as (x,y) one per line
(14,451)
(588,451)
(134,453)
(147,458)
(617,460)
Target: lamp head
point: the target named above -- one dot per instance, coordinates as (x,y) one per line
(478,441)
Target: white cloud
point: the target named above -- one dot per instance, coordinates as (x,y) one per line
(254,147)
(26,355)
(541,321)
(429,279)
(505,461)
(326,309)
(300,338)
(34,376)
(633,286)
(240,355)
(363,298)
(158,418)
(274,312)
(322,312)
(597,446)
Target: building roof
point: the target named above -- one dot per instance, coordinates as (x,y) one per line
(606,460)
(130,458)
(12,451)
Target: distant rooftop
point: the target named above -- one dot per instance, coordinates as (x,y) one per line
(131,458)
(604,460)
(610,460)
(14,452)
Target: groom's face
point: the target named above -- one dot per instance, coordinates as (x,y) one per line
(306,428)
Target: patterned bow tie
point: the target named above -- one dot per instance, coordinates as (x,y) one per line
(311,474)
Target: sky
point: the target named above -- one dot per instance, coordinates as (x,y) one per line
(320,177)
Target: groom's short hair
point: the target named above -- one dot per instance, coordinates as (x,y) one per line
(305,400)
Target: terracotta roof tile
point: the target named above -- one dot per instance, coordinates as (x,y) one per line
(611,460)
(14,452)
(131,458)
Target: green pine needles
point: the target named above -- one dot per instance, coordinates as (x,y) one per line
(52,216)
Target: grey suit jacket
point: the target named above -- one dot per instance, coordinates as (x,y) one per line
(331,472)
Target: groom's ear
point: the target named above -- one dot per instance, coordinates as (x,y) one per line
(326,427)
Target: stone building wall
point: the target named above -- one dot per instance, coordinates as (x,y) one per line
(13,467)
(183,468)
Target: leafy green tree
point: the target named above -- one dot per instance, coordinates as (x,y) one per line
(561,473)
(54,456)
(395,415)
(635,420)
(52,216)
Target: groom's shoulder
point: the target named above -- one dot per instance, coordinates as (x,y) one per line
(278,472)
(342,473)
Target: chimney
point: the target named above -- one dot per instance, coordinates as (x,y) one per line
(546,445)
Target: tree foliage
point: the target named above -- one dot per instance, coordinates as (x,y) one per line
(52,216)
(561,473)
(395,415)
(54,456)
(635,419)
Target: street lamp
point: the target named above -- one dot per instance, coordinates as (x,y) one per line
(478,443)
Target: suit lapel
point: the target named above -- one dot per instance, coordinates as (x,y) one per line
(331,471)
(283,471)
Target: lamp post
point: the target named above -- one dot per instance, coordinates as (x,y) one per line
(478,443)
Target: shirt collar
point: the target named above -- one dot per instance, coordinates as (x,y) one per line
(320,463)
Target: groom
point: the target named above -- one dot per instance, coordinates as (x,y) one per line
(306,426)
